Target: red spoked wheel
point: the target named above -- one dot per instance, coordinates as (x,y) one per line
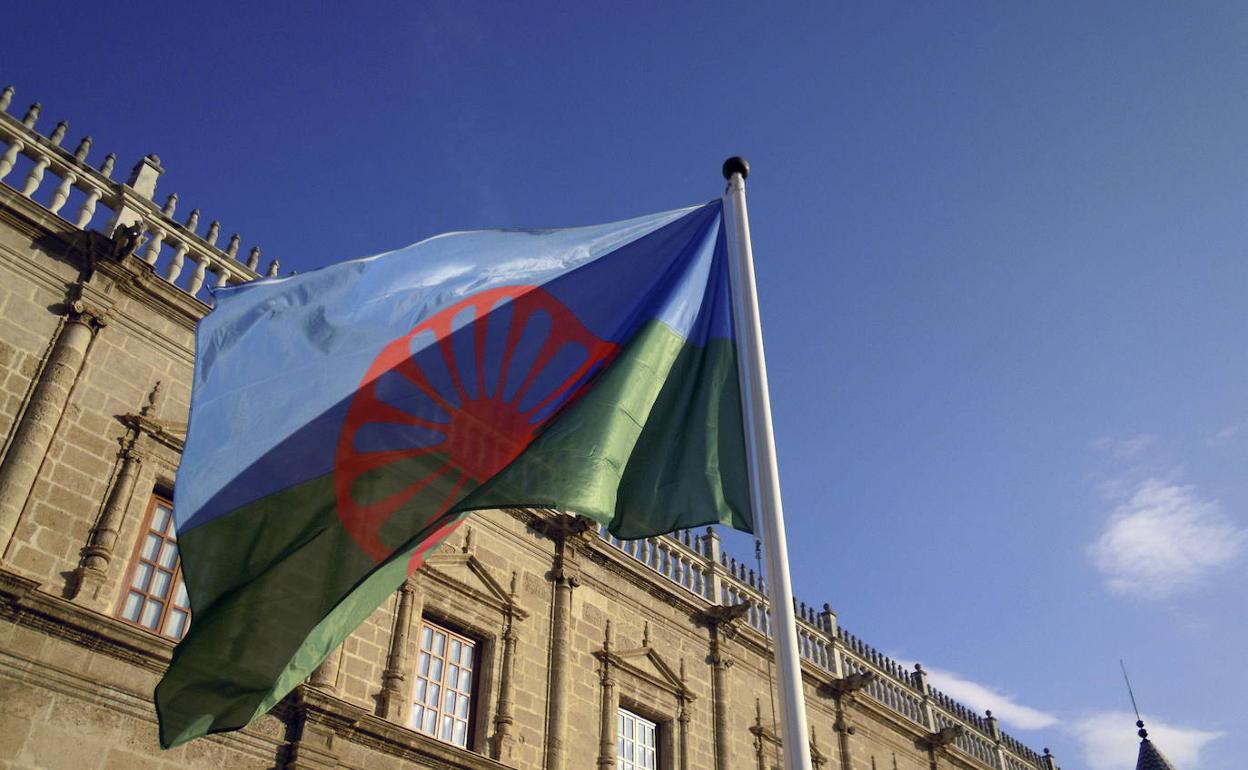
(453,402)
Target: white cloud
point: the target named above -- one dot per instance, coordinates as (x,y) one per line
(1226,435)
(981,698)
(1126,448)
(1109,742)
(1164,539)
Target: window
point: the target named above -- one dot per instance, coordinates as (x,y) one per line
(444,679)
(634,742)
(155,595)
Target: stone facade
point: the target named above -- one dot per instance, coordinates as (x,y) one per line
(98,303)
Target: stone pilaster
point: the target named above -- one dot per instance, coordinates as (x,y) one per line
(609,706)
(765,740)
(722,622)
(844,690)
(34,432)
(682,720)
(392,702)
(92,572)
(502,742)
(817,759)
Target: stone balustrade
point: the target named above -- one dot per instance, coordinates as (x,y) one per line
(696,564)
(67,185)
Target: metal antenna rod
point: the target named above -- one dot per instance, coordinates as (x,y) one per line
(1127,679)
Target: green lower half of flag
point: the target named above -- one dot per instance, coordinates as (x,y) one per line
(655,445)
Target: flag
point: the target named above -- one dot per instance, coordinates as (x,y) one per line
(343,421)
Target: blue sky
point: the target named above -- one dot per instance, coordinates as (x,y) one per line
(1001,256)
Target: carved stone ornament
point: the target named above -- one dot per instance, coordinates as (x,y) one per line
(126,240)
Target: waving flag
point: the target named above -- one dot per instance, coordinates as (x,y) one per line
(343,421)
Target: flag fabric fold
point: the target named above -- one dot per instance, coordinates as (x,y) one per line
(343,421)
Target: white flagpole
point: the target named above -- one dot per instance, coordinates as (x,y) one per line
(764,475)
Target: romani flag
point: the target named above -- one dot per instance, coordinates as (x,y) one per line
(343,421)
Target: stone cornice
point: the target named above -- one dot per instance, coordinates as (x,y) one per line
(138,280)
(169,434)
(362,728)
(22,602)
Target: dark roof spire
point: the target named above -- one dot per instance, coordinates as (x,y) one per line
(1150,758)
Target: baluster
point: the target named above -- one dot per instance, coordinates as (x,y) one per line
(35,177)
(106,168)
(253,258)
(214,229)
(10,157)
(231,250)
(88,208)
(32,114)
(176,261)
(61,193)
(84,147)
(222,276)
(6,98)
(171,205)
(153,246)
(197,278)
(58,133)
(193,220)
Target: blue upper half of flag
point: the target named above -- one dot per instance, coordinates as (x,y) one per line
(316,335)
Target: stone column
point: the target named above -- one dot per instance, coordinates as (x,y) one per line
(843,731)
(844,691)
(91,574)
(325,676)
(761,736)
(682,719)
(392,702)
(34,433)
(562,530)
(720,663)
(722,622)
(609,707)
(502,742)
(561,632)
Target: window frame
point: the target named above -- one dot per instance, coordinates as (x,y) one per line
(622,716)
(169,601)
(418,706)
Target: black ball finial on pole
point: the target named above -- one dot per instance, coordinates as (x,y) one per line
(736,165)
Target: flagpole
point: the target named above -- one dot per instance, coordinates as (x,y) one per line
(764,474)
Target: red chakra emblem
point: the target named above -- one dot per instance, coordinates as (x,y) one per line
(451,403)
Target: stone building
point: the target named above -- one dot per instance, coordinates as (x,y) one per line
(531,640)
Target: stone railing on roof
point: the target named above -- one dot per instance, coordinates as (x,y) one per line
(696,563)
(63,182)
